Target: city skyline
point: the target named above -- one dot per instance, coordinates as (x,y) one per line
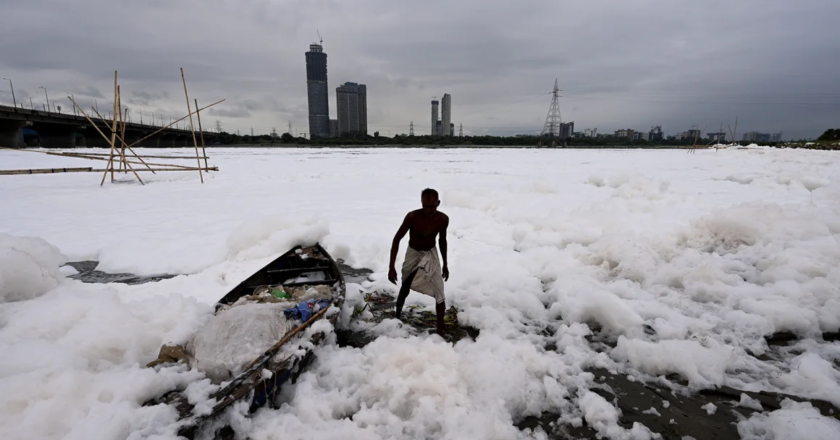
(441,122)
(675,64)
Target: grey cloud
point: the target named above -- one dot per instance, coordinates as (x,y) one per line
(149,96)
(230,113)
(676,63)
(253,105)
(89,91)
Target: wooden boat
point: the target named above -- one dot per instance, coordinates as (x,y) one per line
(290,270)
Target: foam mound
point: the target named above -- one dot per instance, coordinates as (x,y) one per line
(29,267)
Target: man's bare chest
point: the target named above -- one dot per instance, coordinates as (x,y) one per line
(425,229)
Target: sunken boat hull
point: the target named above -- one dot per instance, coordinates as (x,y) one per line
(309,266)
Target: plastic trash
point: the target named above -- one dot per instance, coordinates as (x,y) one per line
(305,309)
(280,293)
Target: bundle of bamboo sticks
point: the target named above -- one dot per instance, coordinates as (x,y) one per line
(120,160)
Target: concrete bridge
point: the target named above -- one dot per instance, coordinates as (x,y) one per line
(62,130)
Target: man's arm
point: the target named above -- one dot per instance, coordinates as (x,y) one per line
(395,247)
(443,245)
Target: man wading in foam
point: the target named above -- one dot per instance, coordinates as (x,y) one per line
(421,269)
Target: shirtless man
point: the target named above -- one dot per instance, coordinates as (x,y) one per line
(421,256)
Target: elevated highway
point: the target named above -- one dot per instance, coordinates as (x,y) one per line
(62,130)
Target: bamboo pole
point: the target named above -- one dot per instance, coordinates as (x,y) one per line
(97,129)
(192,128)
(121,123)
(135,172)
(46,171)
(170,125)
(166,167)
(70,153)
(91,170)
(171,169)
(201,131)
(123,162)
(113,132)
(250,369)
(122,140)
(83,156)
(90,156)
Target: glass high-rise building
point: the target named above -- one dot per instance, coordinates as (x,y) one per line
(435,120)
(446,115)
(351,101)
(317,91)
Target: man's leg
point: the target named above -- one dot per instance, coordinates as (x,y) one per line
(404,289)
(440,308)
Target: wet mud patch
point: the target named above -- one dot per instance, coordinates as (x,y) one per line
(352,274)
(379,306)
(708,414)
(87,273)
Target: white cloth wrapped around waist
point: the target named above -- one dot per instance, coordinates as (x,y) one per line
(428,278)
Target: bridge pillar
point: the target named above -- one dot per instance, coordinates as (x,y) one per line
(166,141)
(95,140)
(81,139)
(57,136)
(11,133)
(152,142)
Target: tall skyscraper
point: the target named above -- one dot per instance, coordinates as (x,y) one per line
(317,91)
(446,115)
(352,108)
(435,117)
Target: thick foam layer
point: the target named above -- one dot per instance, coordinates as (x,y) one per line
(652,252)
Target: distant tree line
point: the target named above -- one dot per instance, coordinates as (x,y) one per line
(832,134)
(358,139)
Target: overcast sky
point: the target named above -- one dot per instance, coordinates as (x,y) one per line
(774,64)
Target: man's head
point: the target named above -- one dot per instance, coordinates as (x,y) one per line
(430,200)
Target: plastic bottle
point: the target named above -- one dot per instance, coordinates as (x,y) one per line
(279,293)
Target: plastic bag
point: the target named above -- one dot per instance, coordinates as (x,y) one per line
(229,341)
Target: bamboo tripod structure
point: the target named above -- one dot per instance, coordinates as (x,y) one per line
(121,157)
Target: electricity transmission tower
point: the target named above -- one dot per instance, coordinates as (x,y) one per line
(552,120)
(461,130)
(411,129)
(218,126)
(290,127)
